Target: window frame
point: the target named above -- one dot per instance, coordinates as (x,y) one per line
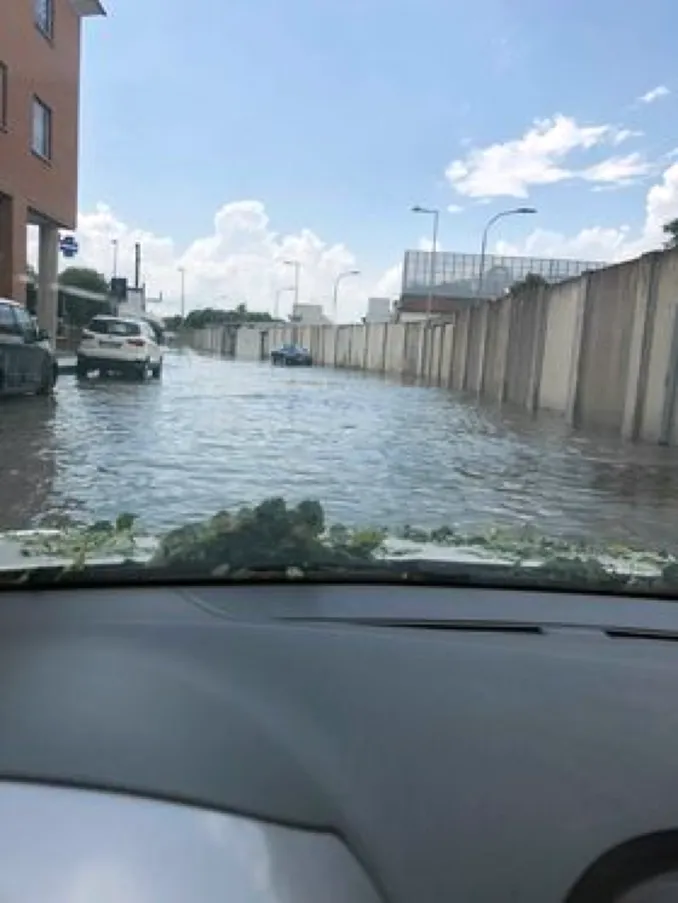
(4,96)
(38,102)
(45,29)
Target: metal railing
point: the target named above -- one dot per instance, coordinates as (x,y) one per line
(458,275)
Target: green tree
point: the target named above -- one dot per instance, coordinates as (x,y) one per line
(210,316)
(84,278)
(531,281)
(75,309)
(671,230)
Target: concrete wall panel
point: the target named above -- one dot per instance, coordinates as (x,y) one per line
(660,351)
(606,338)
(395,348)
(460,349)
(249,344)
(563,303)
(358,346)
(343,350)
(474,354)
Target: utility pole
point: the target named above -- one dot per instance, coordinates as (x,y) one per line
(114,243)
(337,282)
(182,270)
(431,211)
(137,265)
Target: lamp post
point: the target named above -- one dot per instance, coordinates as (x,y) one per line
(516,211)
(297,269)
(431,211)
(337,283)
(114,244)
(279,292)
(182,271)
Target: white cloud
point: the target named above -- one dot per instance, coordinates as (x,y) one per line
(240,261)
(654,94)
(613,243)
(622,135)
(390,284)
(617,170)
(455,208)
(539,157)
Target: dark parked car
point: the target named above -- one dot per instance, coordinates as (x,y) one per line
(291,356)
(27,363)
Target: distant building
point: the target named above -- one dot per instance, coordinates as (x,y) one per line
(378,310)
(134,304)
(309,315)
(415,308)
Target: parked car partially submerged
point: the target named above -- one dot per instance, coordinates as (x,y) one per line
(119,345)
(28,364)
(291,356)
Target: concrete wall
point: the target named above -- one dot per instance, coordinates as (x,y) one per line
(460,348)
(521,346)
(394,354)
(251,344)
(606,336)
(474,349)
(375,352)
(564,306)
(602,349)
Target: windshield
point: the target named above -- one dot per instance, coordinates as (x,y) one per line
(114,327)
(448,349)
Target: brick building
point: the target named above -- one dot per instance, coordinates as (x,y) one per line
(39,99)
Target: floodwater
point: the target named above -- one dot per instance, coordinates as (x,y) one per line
(218,433)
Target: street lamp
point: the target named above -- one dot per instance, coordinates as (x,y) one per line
(297,268)
(114,243)
(516,211)
(431,211)
(182,270)
(279,292)
(337,282)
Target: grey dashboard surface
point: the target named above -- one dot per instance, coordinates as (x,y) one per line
(494,755)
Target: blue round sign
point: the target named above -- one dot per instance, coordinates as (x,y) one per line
(68,245)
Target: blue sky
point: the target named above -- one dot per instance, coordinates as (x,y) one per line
(337,116)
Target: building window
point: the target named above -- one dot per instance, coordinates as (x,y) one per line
(3,97)
(42,130)
(44,17)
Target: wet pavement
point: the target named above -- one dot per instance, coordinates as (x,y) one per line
(217,433)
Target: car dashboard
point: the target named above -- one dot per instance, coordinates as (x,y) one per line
(338,743)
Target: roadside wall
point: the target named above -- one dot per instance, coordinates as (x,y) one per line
(602,349)
(565,305)
(605,342)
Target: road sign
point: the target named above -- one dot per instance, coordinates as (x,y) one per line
(68,245)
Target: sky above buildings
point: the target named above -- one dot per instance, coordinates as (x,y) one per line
(228,137)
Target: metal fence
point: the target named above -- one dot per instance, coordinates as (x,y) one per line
(458,275)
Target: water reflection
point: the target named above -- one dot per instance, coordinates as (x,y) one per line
(28,454)
(218,433)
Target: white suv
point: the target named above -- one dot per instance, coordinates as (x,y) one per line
(121,345)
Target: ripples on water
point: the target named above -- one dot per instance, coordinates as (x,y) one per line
(218,433)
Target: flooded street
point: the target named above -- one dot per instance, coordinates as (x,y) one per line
(217,433)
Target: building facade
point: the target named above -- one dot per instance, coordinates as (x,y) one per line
(309,315)
(378,310)
(39,100)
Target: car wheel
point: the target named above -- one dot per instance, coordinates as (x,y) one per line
(141,370)
(81,369)
(47,379)
(157,370)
